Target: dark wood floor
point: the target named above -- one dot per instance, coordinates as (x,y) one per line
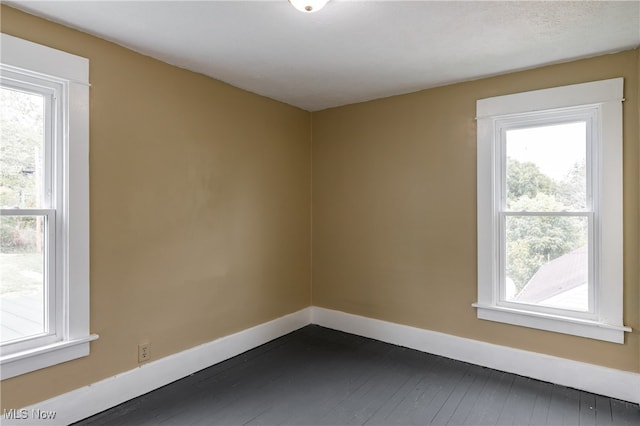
(317,376)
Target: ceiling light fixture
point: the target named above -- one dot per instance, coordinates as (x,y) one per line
(308,6)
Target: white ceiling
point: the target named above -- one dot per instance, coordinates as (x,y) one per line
(352,51)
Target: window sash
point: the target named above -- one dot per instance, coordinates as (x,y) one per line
(584,113)
(501,267)
(52,290)
(51,202)
(52,195)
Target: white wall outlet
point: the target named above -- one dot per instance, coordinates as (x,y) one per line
(144,352)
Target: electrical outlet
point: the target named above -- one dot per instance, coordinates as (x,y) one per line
(144,352)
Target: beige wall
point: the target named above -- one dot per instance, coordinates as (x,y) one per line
(394,210)
(200,209)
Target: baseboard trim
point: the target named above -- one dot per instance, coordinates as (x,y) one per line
(610,382)
(89,400)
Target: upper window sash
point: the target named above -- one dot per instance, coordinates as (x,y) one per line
(52,93)
(586,113)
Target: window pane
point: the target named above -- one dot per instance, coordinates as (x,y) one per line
(546,168)
(21,148)
(22,278)
(547,261)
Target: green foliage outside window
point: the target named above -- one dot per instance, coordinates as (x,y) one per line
(533,241)
(21,149)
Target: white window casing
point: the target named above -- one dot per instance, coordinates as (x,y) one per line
(599,103)
(68,77)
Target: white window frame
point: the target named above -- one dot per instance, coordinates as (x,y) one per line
(49,203)
(602,102)
(67,211)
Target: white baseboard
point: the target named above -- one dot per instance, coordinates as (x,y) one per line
(610,382)
(89,400)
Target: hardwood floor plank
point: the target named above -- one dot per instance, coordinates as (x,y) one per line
(383,380)
(556,406)
(571,414)
(587,409)
(489,405)
(541,403)
(408,384)
(457,394)
(518,408)
(624,413)
(474,392)
(603,411)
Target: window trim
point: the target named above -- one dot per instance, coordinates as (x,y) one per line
(607,322)
(72,72)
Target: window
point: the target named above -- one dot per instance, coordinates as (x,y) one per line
(44,202)
(550,209)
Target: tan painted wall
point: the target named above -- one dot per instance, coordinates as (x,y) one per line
(638,151)
(200,209)
(394,210)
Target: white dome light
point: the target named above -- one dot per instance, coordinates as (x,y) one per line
(308,6)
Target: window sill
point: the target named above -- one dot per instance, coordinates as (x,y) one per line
(45,356)
(559,324)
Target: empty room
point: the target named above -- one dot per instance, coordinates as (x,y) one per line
(315,212)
